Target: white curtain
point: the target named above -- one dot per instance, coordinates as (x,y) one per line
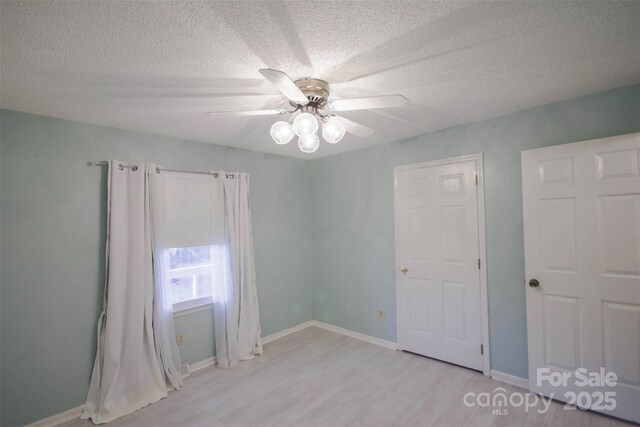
(126,373)
(235,307)
(137,357)
(163,331)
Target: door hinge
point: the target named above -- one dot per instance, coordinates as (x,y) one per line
(481,348)
(476,179)
(478,263)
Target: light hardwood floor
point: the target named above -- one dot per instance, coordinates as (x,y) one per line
(319,378)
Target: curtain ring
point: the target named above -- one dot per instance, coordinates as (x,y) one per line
(133,168)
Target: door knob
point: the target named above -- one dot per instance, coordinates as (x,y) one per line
(534,283)
(404,269)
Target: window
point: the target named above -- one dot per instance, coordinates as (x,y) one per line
(191,271)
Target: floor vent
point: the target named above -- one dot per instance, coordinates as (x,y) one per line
(185,370)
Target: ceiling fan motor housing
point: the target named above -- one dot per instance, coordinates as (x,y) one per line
(316,90)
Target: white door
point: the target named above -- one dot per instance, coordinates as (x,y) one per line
(437,254)
(582,246)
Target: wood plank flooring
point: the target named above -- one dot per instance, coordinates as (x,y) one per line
(319,378)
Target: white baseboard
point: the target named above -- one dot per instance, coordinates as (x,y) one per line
(203,364)
(286,332)
(510,379)
(357,335)
(212,360)
(75,413)
(58,419)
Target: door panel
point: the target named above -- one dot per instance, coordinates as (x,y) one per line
(582,242)
(455,312)
(618,344)
(419,294)
(619,226)
(439,302)
(561,332)
(418,228)
(452,219)
(557,234)
(617,164)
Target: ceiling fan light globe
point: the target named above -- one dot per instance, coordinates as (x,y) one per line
(281,132)
(305,124)
(333,130)
(309,143)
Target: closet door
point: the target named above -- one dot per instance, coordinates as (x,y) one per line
(438,278)
(582,256)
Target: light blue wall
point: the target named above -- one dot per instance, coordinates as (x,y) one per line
(323,235)
(197,329)
(53,237)
(353,234)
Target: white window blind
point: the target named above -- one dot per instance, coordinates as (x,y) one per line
(188,210)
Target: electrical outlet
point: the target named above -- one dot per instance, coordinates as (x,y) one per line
(381,314)
(180,339)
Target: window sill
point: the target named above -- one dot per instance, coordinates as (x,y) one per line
(191,307)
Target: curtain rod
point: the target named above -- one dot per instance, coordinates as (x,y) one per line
(121,166)
(134,168)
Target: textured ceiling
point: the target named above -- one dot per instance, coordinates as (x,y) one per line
(158,67)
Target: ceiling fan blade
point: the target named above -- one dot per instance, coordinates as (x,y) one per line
(285,85)
(384,101)
(249,112)
(356,128)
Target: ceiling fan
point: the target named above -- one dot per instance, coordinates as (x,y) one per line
(309,99)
